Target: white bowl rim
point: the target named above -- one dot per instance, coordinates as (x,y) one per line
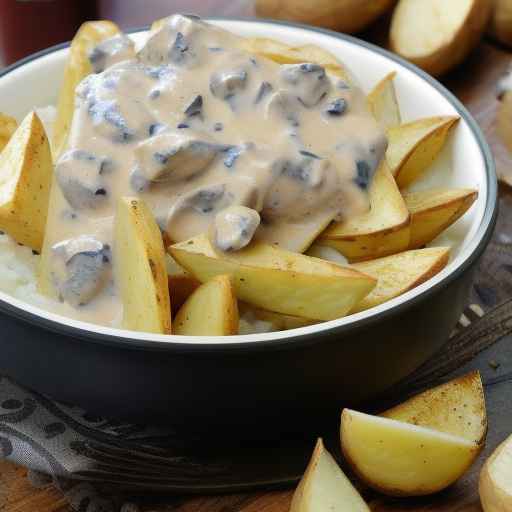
(85,331)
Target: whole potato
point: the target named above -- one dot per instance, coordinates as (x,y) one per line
(500,26)
(344,15)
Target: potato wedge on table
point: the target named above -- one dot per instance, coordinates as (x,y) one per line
(279,321)
(495,484)
(278,280)
(401,459)
(433,210)
(438,34)
(456,407)
(141,272)
(26,173)
(348,16)
(8,126)
(285,54)
(383,230)
(383,103)
(414,146)
(77,68)
(211,310)
(324,487)
(400,273)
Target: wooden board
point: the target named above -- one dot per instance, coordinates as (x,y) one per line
(474,84)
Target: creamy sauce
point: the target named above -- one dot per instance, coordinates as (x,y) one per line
(215,140)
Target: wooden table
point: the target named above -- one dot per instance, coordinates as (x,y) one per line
(474,84)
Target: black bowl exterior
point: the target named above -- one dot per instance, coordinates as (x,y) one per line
(246,389)
(252,392)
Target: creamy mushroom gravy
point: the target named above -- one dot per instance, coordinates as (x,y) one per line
(214,139)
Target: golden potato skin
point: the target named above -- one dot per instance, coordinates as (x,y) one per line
(8,126)
(348,16)
(141,273)
(26,173)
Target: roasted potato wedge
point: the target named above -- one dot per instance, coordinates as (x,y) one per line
(8,126)
(211,310)
(433,210)
(383,103)
(456,407)
(343,15)
(401,459)
(181,287)
(141,273)
(324,487)
(383,230)
(437,35)
(284,54)
(26,173)
(400,273)
(278,321)
(414,146)
(500,26)
(278,280)
(77,68)
(495,485)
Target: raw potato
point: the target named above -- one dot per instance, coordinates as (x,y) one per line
(495,484)
(437,35)
(433,210)
(456,407)
(324,487)
(211,310)
(500,26)
(278,280)
(140,263)
(279,321)
(414,146)
(383,103)
(8,126)
(26,173)
(343,15)
(383,230)
(284,54)
(400,273)
(77,68)
(401,459)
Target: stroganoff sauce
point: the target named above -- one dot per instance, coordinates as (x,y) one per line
(214,139)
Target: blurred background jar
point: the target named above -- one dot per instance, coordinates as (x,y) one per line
(27,26)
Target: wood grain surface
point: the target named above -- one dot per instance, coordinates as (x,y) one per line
(474,84)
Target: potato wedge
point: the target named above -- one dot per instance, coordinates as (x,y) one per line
(500,26)
(343,15)
(278,280)
(181,287)
(284,54)
(414,146)
(141,272)
(400,273)
(279,321)
(383,103)
(26,173)
(77,68)
(383,230)
(456,407)
(433,210)
(8,126)
(437,35)
(495,485)
(400,459)
(211,310)
(324,487)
